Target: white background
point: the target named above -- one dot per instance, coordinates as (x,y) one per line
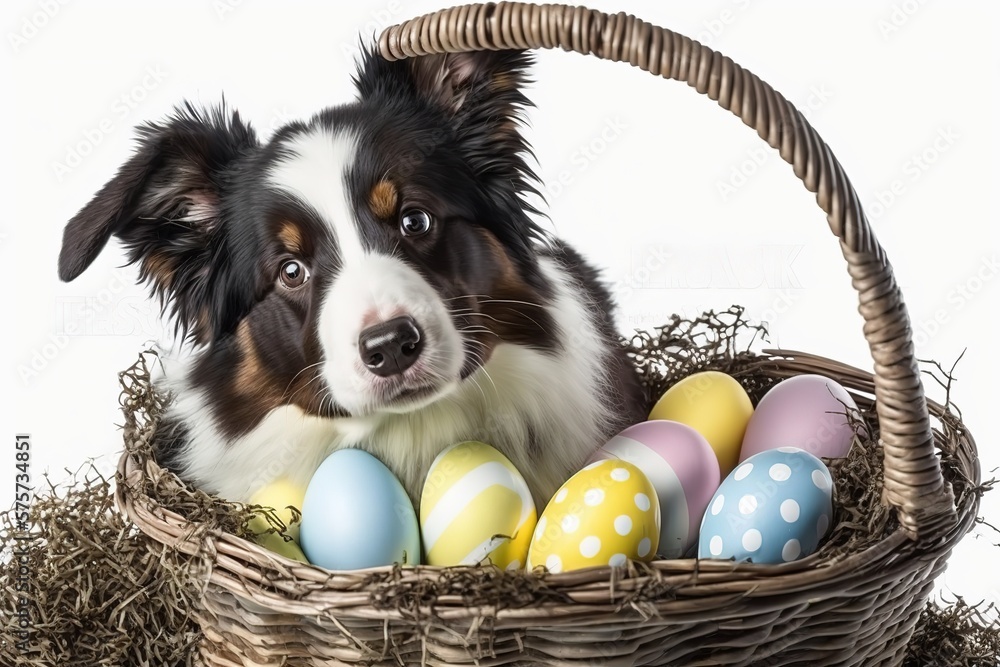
(884,82)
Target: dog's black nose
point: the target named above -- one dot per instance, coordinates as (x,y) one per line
(390,347)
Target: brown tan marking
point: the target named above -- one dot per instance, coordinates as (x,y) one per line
(291,236)
(512,309)
(508,272)
(383,199)
(203,326)
(250,378)
(160,267)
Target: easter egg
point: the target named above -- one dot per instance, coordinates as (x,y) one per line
(280,495)
(715,405)
(682,468)
(475,507)
(774,508)
(279,545)
(356,514)
(603,515)
(806,411)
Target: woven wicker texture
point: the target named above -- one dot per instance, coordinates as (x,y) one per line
(855,604)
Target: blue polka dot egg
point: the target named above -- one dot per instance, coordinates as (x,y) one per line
(774,508)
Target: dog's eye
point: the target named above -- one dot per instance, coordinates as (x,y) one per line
(293,274)
(415,222)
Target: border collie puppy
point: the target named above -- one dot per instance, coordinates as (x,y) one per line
(371,278)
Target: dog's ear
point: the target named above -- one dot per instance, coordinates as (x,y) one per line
(481,95)
(165,206)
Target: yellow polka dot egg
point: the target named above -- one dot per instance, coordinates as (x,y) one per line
(475,508)
(606,514)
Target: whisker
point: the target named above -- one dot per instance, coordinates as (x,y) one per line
(318,363)
(523,303)
(467,296)
(473,314)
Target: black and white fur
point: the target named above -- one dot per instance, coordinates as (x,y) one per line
(276,258)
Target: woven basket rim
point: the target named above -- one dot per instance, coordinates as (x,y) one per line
(250,570)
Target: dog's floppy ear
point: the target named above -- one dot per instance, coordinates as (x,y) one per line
(165,206)
(481,95)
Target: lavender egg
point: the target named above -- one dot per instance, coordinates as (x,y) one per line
(808,412)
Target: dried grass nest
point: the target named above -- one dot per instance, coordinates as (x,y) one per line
(102,593)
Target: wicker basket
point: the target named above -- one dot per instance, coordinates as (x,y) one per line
(858,608)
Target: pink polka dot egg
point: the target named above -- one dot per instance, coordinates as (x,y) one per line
(606,514)
(774,508)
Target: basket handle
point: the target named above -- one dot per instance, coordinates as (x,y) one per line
(913,483)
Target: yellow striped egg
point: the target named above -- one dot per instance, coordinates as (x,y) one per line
(475,507)
(606,514)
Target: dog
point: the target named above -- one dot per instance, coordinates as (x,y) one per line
(372,278)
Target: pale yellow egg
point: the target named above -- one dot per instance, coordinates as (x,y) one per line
(475,507)
(277,544)
(606,514)
(280,495)
(715,405)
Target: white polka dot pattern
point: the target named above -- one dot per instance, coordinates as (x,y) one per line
(553,564)
(590,546)
(822,524)
(605,514)
(620,474)
(774,508)
(715,546)
(790,551)
(645,545)
(752,540)
(780,472)
(594,497)
(790,511)
(642,501)
(540,527)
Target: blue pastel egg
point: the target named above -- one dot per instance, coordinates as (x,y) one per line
(356,514)
(775,507)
